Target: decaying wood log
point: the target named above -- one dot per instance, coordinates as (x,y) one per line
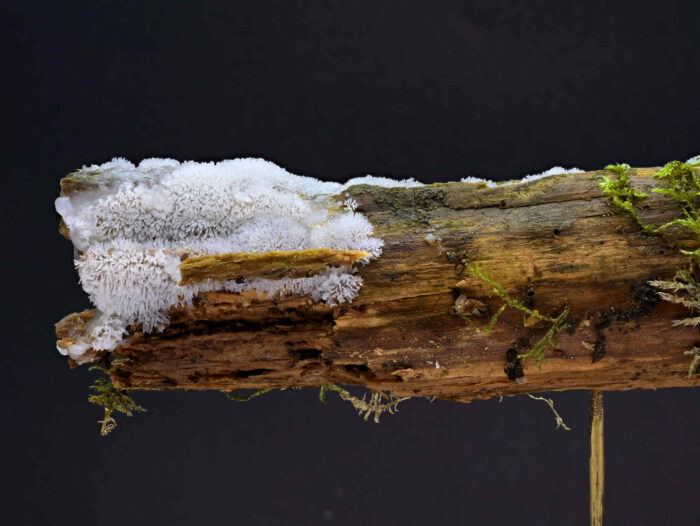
(419,324)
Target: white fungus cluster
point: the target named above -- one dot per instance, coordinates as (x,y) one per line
(132,226)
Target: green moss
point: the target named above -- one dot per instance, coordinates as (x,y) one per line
(558,323)
(622,193)
(245,398)
(112,399)
(679,182)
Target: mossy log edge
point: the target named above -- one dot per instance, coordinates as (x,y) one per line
(418,325)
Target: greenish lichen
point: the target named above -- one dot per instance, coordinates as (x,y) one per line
(111,399)
(558,322)
(414,208)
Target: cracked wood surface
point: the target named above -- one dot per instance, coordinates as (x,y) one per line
(417,327)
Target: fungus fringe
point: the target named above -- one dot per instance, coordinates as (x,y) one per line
(558,323)
(111,398)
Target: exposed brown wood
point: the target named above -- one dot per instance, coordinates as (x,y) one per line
(270,265)
(417,327)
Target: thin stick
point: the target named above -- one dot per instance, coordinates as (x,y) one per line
(597,468)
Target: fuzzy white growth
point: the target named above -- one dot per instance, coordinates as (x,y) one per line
(349,231)
(694,160)
(555,170)
(132,283)
(132,227)
(471,179)
(383,181)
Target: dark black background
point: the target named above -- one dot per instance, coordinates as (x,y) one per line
(435,90)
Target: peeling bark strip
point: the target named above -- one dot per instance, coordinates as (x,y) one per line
(418,325)
(269,265)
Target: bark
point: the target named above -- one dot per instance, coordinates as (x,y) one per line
(419,324)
